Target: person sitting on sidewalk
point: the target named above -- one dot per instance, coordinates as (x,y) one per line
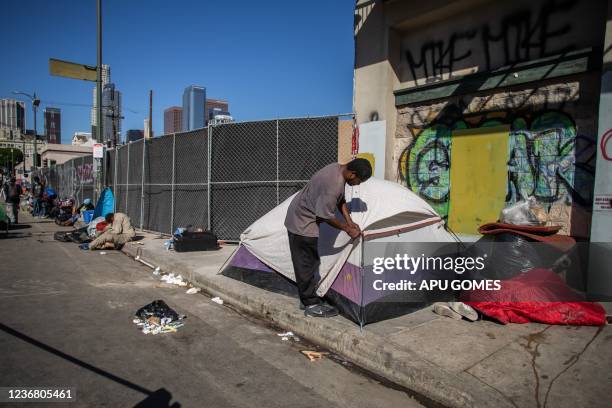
(118,232)
(317,203)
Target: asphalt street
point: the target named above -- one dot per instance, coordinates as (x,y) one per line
(66,321)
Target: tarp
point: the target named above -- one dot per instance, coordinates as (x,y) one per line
(379,207)
(105,203)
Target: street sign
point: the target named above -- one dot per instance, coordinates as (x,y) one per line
(69,69)
(98,150)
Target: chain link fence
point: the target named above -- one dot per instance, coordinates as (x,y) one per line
(221,178)
(74,178)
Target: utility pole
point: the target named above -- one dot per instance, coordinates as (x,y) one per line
(99,134)
(150,114)
(35,103)
(24,158)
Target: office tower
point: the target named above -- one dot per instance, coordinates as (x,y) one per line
(194,101)
(173,120)
(133,135)
(12,115)
(53,125)
(216,107)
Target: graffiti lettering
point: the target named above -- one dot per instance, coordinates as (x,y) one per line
(520,37)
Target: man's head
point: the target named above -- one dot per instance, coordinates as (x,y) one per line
(357,171)
(109,218)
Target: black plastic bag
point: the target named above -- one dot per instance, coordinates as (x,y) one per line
(157,308)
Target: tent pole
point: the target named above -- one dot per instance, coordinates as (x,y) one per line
(361,310)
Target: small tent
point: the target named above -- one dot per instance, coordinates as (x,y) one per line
(105,203)
(385,211)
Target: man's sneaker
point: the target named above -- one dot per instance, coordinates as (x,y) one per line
(84,246)
(444,309)
(464,310)
(320,310)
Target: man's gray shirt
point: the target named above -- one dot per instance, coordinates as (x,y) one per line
(318,199)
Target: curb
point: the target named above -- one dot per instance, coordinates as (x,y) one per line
(431,384)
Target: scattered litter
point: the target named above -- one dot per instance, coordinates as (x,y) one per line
(287,336)
(192,291)
(157,317)
(156,271)
(314,355)
(139,243)
(102,253)
(173,279)
(217,300)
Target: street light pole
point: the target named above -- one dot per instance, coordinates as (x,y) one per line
(35,103)
(99,121)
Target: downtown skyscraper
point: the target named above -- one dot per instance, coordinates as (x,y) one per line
(194,101)
(53,125)
(111,109)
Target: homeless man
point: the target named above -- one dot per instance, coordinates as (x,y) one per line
(12,192)
(118,232)
(314,204)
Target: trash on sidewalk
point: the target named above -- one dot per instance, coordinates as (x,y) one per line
(157,317)
(156,271)
(102,253)
(192,291)
(314,355)
(173,279)
(288,335)
(217,300)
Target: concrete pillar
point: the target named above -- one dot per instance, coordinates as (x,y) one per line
(600,274)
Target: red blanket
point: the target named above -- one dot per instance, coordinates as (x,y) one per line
(538,295)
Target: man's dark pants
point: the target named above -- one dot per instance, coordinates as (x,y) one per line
(305,258)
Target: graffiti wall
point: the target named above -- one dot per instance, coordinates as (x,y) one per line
(551,149)
(501,33)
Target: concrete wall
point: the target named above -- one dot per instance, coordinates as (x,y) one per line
(61,157)
(552,124)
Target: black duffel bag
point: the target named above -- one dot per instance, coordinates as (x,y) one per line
(190,241)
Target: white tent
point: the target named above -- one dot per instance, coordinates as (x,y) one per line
(384,210)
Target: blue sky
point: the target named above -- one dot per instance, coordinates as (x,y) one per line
(272,58)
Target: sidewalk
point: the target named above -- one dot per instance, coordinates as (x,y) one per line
(446,362)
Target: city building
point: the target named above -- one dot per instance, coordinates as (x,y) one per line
(216,107)
(173,120)
(53,153)
(12,118)
(82,139)
(517,88)
(133,135)
(194,101)
(111,109)
(53,125)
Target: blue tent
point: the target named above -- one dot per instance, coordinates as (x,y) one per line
(105,204)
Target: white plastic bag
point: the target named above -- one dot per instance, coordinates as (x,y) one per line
(524,212)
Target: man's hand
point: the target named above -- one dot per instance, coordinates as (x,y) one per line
(352,224)
(353,231)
